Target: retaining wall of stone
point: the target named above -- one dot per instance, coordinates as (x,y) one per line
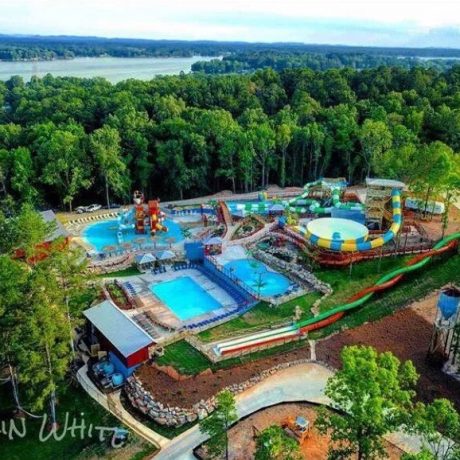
(164,414)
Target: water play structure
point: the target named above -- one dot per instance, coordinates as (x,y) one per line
(300,328)
(303,203)
(329,236)
(136,217)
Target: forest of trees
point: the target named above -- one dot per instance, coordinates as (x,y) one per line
(66,141)
(33,47)
(249,61)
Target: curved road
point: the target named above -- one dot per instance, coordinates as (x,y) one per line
(302,382)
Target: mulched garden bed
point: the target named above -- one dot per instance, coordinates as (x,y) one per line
(185,393)
(407,334)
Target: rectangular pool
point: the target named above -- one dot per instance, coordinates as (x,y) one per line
(185,297)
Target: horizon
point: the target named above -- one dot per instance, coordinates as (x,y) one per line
(405,24)
(198,40)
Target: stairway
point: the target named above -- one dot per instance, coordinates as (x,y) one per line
(226,216)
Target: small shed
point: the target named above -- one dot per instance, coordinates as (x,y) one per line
(213,245)
(145,261)
(59,230)
(59,233)
(119,334)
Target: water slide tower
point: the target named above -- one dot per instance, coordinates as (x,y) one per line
(445,340)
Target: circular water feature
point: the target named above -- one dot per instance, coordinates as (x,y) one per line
(258,277)
(104,233)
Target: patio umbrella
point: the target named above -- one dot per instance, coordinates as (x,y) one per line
(165,255)
(108,249)
(140,241)
(126,246)
(171,240)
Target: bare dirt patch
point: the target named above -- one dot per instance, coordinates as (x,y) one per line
(185,393)
(242,440)
(407,334)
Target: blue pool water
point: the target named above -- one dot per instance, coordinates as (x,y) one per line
(250,271)
(105,233)
(185,297)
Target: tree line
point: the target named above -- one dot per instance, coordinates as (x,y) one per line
(33,47)
(67,140)
(43,291)
(249,61)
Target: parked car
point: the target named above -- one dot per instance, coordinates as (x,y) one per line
(93,207)
(80,209)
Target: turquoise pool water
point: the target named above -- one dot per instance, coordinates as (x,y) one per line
(105,233)
(251,271)
(185,297)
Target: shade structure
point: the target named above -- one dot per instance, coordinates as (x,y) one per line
(165,255)
(146,258)
(213,241)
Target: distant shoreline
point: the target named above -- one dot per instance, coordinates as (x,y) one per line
(71,58)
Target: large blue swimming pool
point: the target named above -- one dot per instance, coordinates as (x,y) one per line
(256,275)
(185,297)
(105,234)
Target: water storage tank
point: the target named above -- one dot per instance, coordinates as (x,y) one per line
(448,302)
(108,368)
(117,379)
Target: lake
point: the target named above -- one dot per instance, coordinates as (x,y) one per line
(111,68)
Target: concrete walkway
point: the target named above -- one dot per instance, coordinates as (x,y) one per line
(113,404)
(305,382)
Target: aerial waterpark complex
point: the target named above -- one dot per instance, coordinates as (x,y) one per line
(203,264)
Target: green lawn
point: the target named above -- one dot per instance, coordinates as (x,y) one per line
(75,402)
(130,271)
(184,357)
(188,360)
(416,285)
(260,317)
(362,275)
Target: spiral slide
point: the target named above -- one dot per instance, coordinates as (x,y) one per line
(331,316)
(352,246)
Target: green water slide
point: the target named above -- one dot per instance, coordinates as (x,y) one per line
(395,275)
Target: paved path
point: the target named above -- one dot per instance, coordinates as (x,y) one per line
(304,382)
(116,408)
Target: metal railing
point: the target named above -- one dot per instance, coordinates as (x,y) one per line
(230,275)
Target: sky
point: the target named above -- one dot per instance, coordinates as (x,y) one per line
(419,23)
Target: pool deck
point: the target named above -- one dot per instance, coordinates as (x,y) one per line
(155,310)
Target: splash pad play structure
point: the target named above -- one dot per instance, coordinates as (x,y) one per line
(140,219)
(347,228)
